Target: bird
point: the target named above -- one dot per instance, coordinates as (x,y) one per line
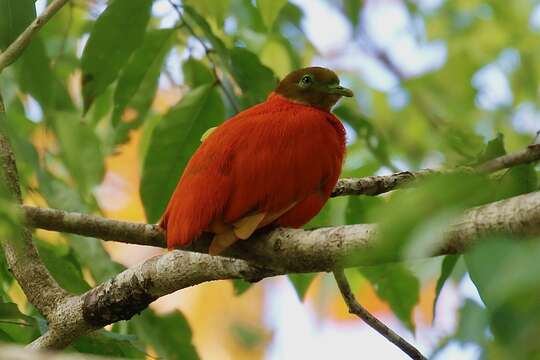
(274,164)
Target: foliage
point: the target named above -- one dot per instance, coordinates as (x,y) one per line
(101,75)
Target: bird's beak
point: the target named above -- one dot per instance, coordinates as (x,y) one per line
(340,90)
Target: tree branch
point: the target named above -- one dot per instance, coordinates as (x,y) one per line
(94,226)
(278,252)
(146,234)
(530,154)
(376,324)
(131,291)
(376,185)
(14,50)
(22,257)
(308,250)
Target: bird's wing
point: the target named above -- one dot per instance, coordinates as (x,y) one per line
(281,158)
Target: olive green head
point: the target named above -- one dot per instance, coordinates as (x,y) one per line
(315,86)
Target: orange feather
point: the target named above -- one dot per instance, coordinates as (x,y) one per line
(280,159)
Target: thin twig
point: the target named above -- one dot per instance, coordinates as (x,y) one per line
(208,53)
(376,185)
(16,48)
(530,154)
(376,324)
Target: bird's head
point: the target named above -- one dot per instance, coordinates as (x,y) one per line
(315,86)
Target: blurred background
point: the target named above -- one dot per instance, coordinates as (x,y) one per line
(435,81)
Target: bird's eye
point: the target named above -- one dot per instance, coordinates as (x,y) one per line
(306,81)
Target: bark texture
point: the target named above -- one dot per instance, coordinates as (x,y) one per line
(279,252)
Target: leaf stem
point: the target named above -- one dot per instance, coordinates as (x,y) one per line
(208,53)
(14,50)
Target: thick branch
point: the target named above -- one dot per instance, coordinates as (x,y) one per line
(279,252)
(306,250)
(145,234)
(362,313)
(17,47)
(37,283)
(132,290)
(21,255)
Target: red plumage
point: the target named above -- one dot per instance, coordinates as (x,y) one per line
(265,159)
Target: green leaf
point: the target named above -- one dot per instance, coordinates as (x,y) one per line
(10,311)
(63,266)
(6,279)
(507,276)
(5,337)
(247,15)
(117,32)
(143,97)
(520,179)
(277,56)
(216,9)
(218,47)
(217,44)
(196,73)
(250,337)
(396,285)
(374,141)
(35,76)
(352,10)
(81,151)
(301,283)
(240,286)
(15,16)
(58,193)
(359,206)
(494,148)
(144,66)
(256,80)
(501,268)
(324,217)
(93,255)
(447,267)
(473,323)
(173,142)
(169,335)
(413,219)
(147,131)
(270,10)
(12,332)
(108,343)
